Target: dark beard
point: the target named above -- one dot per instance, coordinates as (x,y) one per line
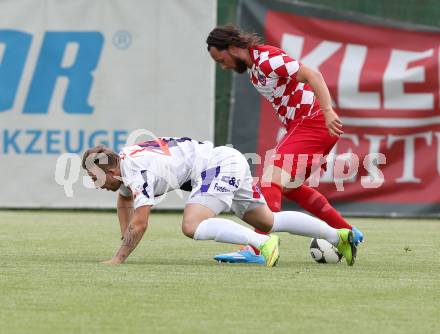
(240,66)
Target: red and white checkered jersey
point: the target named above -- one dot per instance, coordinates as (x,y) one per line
(273,74)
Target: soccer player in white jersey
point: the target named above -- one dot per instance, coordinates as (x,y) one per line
(220,180)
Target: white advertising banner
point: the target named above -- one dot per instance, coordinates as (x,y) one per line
(76,74)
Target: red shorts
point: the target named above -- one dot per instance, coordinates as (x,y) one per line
(304,147)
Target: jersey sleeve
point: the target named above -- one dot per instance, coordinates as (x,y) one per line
(142,188)
(141,184)
(124,191)
(280,65)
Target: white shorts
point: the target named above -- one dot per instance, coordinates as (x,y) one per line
(226,184)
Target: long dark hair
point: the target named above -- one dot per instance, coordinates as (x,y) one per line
(224,36)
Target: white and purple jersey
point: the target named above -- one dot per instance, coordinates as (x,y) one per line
(153,168)
(219,178)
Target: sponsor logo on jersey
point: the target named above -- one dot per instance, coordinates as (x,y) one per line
(221,188)
(262,79)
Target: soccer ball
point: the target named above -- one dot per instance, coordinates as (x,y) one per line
(324,252)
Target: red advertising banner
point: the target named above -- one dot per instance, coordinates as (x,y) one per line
(385,86)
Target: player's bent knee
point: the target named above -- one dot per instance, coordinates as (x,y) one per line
(193,215)
(189,228)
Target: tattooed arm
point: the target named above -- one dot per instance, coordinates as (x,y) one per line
(125,212)
(133,234)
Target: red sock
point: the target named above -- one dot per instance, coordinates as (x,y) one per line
(273,197)
(314,202)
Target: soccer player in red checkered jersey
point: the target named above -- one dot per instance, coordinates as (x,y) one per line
(301,100)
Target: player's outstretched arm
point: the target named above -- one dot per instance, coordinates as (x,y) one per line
(133,234)
(125,212)
(316,81)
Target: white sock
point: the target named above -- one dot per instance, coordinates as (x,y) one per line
(227,231)
(301,224)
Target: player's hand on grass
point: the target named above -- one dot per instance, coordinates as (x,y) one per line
(333,123)
(112,261)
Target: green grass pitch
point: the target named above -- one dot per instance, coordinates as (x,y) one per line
(52,281)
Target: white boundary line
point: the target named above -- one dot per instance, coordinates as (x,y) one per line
(391,122)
